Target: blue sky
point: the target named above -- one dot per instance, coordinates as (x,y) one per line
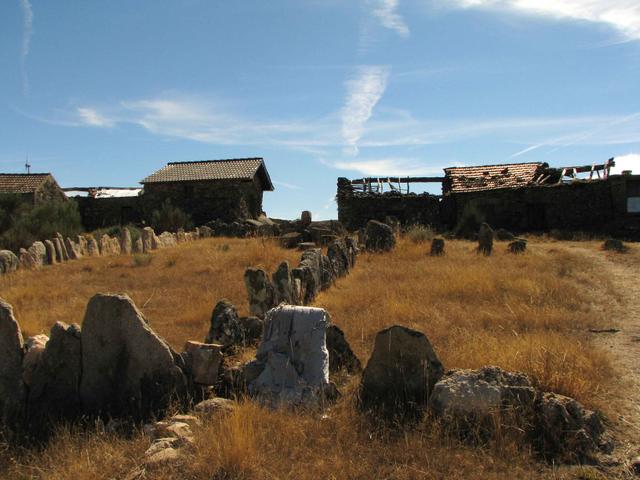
(104,93)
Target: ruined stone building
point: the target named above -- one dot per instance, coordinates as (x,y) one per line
(210,189)
(32,187)
(523,197)
(107,206)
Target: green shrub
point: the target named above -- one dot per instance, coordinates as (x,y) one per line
(470,221)
(22,223)
(170,219)
(420,233)
(141,259)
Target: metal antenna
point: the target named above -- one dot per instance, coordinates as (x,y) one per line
(26,164)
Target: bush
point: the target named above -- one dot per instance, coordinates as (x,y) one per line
(22,223)
(141,259)
(170,218)
(420,233)
(469,222)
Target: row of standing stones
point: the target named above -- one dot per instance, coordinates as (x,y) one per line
(118,367)
(59,249)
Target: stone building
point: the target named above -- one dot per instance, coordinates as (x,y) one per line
(102,207)
(32,187)
(212,189)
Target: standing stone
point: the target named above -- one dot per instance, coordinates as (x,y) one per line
(64,254)
(52,258)
(33,350)
(72,250)
(437,247)
(8,261)
(400,374)
(309,272)
(39,253)
(105,245)
(292,357)
(205,360)
(54,392)
(59,251)
(167,239)
(379,237)
(485,239)
(260,291)
(147,239)
(138,246)
(11,348)
(115,245)
(339,256)
(82,244)
(340,354)
(181,236)
(519,245)
(126,245)
(306,218)
(28,261)
(283,284)
(92,247)
(225,326)
(206,232)
(127,369)
(328,273)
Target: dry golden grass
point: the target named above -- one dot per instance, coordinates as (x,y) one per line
(176,291)
(527,313)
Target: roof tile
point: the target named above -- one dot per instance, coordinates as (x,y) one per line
(491,177)
(21,182)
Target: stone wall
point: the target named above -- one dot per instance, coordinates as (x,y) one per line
(355,209)
(106,212)
(206,200)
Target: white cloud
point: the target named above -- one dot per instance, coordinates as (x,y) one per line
(627,162)
(90,116)
(27,31)
(364,91)
(386,12)
(622,15)
(385,167)
(290,186)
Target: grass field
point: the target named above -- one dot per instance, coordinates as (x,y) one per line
(529,313)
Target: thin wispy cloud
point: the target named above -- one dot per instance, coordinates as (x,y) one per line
(364,91)
(91,117)
(386,11)
(290,186)
(27,31)
(385,167)
(622,15)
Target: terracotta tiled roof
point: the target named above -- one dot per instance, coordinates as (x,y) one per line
(232,169)
(21,182)
(491,177)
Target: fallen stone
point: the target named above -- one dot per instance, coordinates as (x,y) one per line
(614,245)
(161,454)
(190,420)
(11,352)
(214,406)
(127,369)
(205,362)
(379,237)
(469,401)
(291,240)
(518,246)
(293,357)
(8,261)
(400,375)
(340,354)
(170,429)
(437,247)
(485,239)
(304,246)
(225,328)
(260,291)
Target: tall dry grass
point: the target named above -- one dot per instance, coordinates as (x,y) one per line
(176,290)
(527,313)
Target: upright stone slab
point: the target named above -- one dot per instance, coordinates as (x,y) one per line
(93,250)
(39,253)
(205,360)
(339,256)
(11,352)
(260,291)
(167,239)
(127,369)
(147,239)
(54,392)
(105,246)
(340,354)
(283,285)
(63,249)
(306,218)
(400,374)
(328,273)
(52,257)
(309,272)
(485,239)
(126,245)
(8,261)
(33,350)
(138,246)
(28,261)
(115,245)
(293,357)
(72,249)
(379,237)
(225,326)
(82,244)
